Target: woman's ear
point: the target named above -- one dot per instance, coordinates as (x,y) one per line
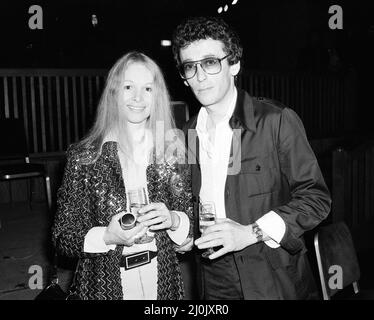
(235,68)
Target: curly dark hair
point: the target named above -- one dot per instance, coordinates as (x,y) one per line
(198,28)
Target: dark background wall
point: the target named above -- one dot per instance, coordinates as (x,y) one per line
(291,35)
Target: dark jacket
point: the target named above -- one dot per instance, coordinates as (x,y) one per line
(279,172)
(91,193)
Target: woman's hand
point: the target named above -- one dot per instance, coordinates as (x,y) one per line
(114,234)
(157,216)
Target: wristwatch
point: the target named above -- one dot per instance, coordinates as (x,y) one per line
(257,231)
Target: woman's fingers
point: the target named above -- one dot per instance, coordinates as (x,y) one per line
(148,216)
(159,226)
(151,207)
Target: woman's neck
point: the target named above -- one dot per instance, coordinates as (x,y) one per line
(134,142)
(136,132)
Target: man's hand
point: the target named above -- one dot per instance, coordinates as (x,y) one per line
(232,236)
(114,234)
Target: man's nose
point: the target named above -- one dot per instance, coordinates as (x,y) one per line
(200,73)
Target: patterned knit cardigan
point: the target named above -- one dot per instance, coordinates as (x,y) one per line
(93,191)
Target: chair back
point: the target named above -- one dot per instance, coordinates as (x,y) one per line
(336,255)
(180,112)
(13,143)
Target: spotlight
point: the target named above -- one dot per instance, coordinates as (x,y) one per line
(226,7)
(234,2)
(94,20)
(219,9)
(165,43)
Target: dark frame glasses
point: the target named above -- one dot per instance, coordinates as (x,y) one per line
(210,65)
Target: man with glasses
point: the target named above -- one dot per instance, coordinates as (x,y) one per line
(264,208)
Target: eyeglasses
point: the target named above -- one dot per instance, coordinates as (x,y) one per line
(210,65)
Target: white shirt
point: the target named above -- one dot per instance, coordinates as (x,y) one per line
(214,155)
(214,158)
(138,283)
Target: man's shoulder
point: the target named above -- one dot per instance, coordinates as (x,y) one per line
(261,106)
(267,105)
(274,111)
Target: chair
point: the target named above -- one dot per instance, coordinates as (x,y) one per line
(13,150)
(180,112)
(336,257)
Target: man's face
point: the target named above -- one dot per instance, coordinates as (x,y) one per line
(210,89)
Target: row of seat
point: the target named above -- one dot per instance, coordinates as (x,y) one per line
(14,157)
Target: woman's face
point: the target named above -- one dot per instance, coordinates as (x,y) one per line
(136,94)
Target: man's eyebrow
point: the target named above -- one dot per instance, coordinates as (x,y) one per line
(209,55)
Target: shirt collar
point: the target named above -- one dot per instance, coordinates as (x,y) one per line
(110,137)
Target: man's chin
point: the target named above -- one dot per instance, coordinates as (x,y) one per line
(205,101)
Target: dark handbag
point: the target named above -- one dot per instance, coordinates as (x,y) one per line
(53,291)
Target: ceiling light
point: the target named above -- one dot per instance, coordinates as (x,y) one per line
(94,20)
(165,43)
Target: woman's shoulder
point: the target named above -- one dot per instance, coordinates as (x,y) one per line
(80,153)
(179,174)
(177,167)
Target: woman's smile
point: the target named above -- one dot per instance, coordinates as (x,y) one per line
(136,108)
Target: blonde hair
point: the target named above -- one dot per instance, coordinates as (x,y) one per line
(107,116)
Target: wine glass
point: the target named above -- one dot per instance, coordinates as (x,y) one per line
(138,199)
(207,217)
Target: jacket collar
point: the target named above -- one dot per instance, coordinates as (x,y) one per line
(243,116)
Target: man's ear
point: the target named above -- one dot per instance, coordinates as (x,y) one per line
(235,68)
(186,83)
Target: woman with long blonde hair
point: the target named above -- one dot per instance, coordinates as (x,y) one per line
(108,114)
(127,252)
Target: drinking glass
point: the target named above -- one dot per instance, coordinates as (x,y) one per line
(138,199)
(207,217)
